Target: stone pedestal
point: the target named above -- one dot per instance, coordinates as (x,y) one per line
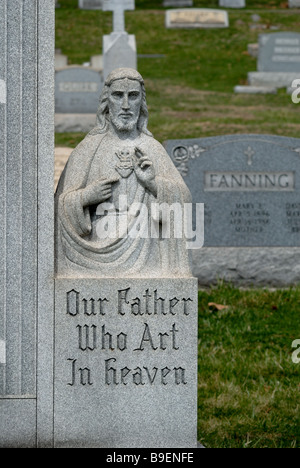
(125,363)
(119,50)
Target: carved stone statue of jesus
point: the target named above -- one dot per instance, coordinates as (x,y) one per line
(105,222)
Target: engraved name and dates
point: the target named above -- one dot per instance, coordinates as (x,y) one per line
(157,331)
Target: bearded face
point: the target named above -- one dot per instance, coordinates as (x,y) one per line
(124,103)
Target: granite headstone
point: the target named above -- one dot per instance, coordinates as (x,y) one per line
(250,187)
(232,3)
(190,18)
(279,52)
(178,3)
(26,233)
(77,90)
(294,3)
(249,184)
(90,4)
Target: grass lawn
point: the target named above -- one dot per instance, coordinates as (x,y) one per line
(248,385)
(190,90)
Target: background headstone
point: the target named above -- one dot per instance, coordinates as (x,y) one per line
(178,3)
(294,3)
(61,61)
(232,3)
(90,4)
(26,233)
(250,187)
(119,48)
(77,90)
(278,61)
(196,18)
(279,52)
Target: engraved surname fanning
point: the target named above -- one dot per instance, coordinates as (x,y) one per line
(249,181)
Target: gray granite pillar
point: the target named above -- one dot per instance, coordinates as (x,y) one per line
(26,232)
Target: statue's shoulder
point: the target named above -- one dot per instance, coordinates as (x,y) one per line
(87,146)
(152,143)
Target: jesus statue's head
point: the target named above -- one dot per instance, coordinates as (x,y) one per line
(123,103)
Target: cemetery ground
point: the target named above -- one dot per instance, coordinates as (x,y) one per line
(248,385)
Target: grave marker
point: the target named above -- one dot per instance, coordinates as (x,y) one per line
(196,18)
(119,48)
(77,90)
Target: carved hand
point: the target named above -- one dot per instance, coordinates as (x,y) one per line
(97,192)
(144,171)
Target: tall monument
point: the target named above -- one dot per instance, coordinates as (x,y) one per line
(125,301)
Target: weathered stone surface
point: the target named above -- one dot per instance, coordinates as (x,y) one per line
(196,18)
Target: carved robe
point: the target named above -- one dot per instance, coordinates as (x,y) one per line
(78,247)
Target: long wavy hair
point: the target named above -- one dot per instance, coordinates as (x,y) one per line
(103,110)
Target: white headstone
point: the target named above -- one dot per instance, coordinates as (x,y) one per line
(119,48)
(118,7)
(294,3)
(232,3)
(90,4)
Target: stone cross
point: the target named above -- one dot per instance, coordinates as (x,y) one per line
(118,7)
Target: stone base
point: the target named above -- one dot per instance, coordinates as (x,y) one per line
(276,79)
(254,90)
(125,363)
(73,123)
(247,267)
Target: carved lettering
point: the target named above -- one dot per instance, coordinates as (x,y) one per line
(73,303)
(146,338)
(87,306)
(84,373)
(142,375)
(87,339)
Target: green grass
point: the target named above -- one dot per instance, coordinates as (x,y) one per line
(248,385)
(190,90)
